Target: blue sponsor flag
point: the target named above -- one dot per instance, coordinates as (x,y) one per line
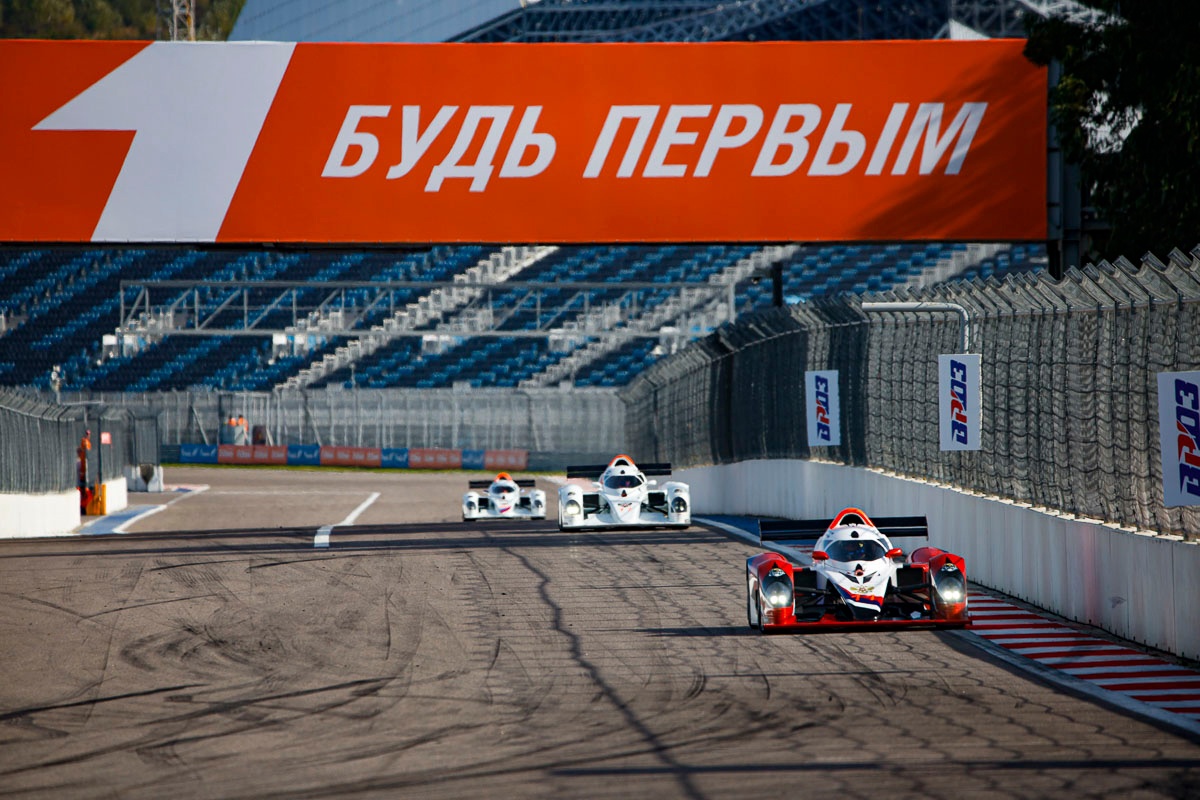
(198,453)
(394,457)
(304,455)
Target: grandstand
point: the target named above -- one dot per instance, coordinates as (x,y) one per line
(205,326)
(157,318)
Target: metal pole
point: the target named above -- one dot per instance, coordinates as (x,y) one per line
(964,332)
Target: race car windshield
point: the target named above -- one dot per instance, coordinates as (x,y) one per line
(622,481)
(856,550)
(503,487)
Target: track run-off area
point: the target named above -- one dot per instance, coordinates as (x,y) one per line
(218,648)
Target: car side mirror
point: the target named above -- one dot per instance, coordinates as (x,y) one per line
(895,553)
(820,555)
(652,483)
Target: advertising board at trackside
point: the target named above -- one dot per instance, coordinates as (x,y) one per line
(824,408)
(367,457)
(550,143)
(1179,437)
(960,401)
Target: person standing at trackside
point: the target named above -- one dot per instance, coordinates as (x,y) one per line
(85,488)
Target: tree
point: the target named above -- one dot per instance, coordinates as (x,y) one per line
(107,19)
(1127,108)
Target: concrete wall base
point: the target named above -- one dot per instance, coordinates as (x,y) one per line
(25,515)
(117,495)
(144,477)
(56,514)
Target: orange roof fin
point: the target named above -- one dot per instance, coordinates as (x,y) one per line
(848,511)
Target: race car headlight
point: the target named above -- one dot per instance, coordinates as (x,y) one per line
(679,505)
(537,503)
(470,505)
(572,507)
(950,584)
(777,588)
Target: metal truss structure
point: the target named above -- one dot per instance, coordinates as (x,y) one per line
(419,308)
(177,20)
(762,20)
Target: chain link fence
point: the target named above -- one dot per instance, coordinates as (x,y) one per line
(1070,408)
(546,422)
(37,445)
(40,441)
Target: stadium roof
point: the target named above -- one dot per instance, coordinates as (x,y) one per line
(363,20)
(640,20)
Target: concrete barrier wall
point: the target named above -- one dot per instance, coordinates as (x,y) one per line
(57,514)
(118,494)
(23,515)
(1141,587)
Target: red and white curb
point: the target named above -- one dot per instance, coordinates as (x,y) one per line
(1112,667)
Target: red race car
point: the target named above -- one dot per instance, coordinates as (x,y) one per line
(857,580)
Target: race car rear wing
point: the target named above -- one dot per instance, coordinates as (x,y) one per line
(595,471)
(811,529)
(524,483)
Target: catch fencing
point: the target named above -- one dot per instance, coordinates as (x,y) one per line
(40,441)
(37,445)
(546,422)
(1070,414)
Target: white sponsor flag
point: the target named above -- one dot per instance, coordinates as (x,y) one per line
(960,401)
(824,412)
(1179,437)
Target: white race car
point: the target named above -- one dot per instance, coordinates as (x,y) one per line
(620,496)
(503,498)
(858,579)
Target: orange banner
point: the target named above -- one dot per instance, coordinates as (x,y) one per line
(340,456)
(787,141)
(434,458)
(506,459)
(251,454)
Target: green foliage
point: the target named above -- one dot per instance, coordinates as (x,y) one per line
(107,19)
(1127,109)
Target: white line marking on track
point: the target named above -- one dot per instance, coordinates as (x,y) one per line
(1040,646)
(732,530)
(118,522)
(1181,677)
(189,492)
(1082,671)
(277,492)
(989,633)
(322,537)
(1126,659)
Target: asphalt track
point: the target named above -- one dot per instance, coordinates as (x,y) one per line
(214,652)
